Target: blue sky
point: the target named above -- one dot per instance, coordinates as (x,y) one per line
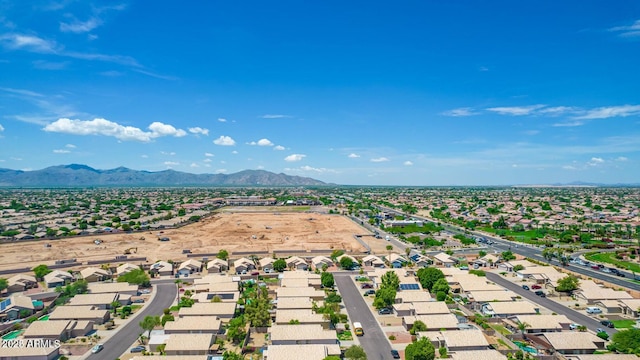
(358,92)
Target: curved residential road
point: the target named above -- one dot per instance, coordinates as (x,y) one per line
(121,341)
(575,316)
(374,342)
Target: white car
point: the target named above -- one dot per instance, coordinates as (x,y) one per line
(574,326)
(96,349)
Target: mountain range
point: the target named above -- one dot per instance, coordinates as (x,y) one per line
(76,175)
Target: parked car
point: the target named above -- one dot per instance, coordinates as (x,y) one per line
(620,274)
(606,270)
(574,326)
(255,273)
(540,293)
(138,349)
(96,349)
(600,330)
(366,286)
(594,310)
(607,323)
(369,292)
(636,277)
(395,354)
(525,287)
(536,287)
(595,267)
(385,311)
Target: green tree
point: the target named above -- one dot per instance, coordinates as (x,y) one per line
(3,284)
(327,280)
(429,276)
(41,270)
(355,352)
(389,247)
(417,327)
(518,267)
(279,265)
(441,286)
(522,326)
(390,279)
(507,256)
(482,253)
(336,254)
(385,297)
(115,305)
(346,263)
(257,309)
(149,323)
(236,330)
(223,254)
(568,283)
(165,318)
(420,350)
(626,341)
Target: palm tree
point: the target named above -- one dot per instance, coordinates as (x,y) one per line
(522,326)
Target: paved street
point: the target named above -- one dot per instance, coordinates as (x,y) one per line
(575,316)
(121,341)
(374,342)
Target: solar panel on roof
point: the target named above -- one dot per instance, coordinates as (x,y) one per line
(409,287)
(5,304)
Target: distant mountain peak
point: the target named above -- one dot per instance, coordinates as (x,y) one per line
(82,175)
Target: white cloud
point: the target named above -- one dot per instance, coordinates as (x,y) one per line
(407,163)
(219,171)
(313,169)
(380,159)
(278,147)
(262,142)
(80,26)
(569,124)
(516,110)
(171,163)
(61,151)
(194,165)
(275,116)
(207,160)
(1,127)
(199,130)
(460,112)
(611,111)
(483,68)
(224,141)
(597,160)
(260,167)
(353,156)
(222,119)
(70,146)
(294,157)
(144,156)
(234,152)
(23,92)
(632,30)
(569,167)
(171,153)
(105,127)
(557,110)
(50,65)
(621,158)
(28,42)
(208,154)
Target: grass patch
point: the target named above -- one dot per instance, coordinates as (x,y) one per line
(345,336)
(610,258)
(175,308)
(529,236)
(623,324)
(501,329)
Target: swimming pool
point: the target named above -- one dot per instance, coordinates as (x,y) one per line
(526,348)
(44,318)
(12,335)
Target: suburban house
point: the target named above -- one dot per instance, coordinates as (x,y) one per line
(57,329)
(162,268)
(88,313)
(94,274)
(433,322)
(396,260)
(307,352)
(539,323)
(297,263)
(305,292)
(57,278)
(486,261)
(188,267)
(301,334)
(453,341)
(194,325)
(12,307)
(318,262)
(300,316)
(373,261)
(266,264)
(443,260)
(101,301)
(223,310)
(30,353)
(478,354)
(126,268)
(243,265)
(506,309)
(122,288)
(20,282)
(569,342)
(189,344)
(294,303)
(217,266)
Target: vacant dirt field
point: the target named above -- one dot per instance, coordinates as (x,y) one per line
(234,231)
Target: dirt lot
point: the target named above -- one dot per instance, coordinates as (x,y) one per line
(234,231)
